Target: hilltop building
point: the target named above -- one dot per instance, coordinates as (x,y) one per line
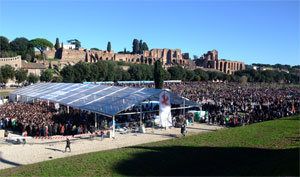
(211,60)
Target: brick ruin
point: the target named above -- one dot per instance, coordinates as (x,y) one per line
(168,57)
(211,60)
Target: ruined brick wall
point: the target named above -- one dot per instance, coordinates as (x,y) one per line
(95,55)
(14,62)
(211,60)
(50,53)
(132,58)
(229,67)
(185,55)
(73,55)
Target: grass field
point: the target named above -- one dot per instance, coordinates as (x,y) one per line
(266,149)
(4,93)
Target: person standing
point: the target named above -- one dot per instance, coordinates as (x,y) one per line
(68,145)
(183,130)
(5,135)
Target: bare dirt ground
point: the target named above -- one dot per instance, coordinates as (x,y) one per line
(36,150)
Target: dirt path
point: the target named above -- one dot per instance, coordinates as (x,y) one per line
(40,150)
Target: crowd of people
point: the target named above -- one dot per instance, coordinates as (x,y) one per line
(227,104)
(43,119)
(233,104)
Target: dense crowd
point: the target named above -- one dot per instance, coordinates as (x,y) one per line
(233,104)
(41,119)
(228,104)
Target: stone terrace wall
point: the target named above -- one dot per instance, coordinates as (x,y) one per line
(73,55)
(14,62)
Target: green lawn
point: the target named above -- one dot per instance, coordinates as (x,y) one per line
(266,149)
(4,94)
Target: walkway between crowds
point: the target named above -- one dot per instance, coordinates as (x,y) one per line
(37,150)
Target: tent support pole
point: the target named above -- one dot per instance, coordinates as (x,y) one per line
(113,132)
(141,114)
(184,107)
(68,109)
(95,120)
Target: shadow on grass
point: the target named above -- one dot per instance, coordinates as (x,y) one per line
(210,161)
(204,129)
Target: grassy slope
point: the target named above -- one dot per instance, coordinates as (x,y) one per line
(268,148)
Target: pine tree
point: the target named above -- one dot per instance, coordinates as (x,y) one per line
(141,47)
(145,46)
(56,46)
(135,46)
(158,75)
(108,46)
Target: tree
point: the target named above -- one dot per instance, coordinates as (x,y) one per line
(81,72)
(57,79)
(102,70)
(167,75)
(22,47)
(135,73)
(46,75)
(243,80)
(141,47)
(177,73)
(195,57)
(189,75)
(21,75)
(118,73)
(7,72)
(41,44)
(145,46)
(68,74)
(32,78)
(158,75)
(213,75)
(9,53)
(135,46)
(125,75)
(95,49)
(94,72)
(56,46)
(76,42)
(108,46)
(203,75)
(197,78)
(124,50)
(4,44)
(110,68)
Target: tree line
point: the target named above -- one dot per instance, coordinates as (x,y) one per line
(20,75)
(121,71)
(113,71)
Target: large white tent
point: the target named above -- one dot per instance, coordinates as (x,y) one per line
(101,99)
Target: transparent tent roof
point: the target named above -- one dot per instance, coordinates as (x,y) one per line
(103,99)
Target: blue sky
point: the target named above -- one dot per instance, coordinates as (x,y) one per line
(248,31)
